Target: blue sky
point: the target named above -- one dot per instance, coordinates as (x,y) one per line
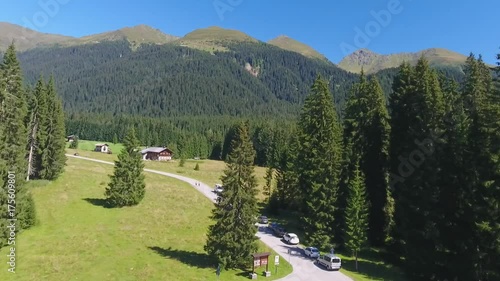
(333,27)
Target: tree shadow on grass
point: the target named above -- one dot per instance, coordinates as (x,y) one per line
(373,270)
(191,258)
(99,202)
(195,259)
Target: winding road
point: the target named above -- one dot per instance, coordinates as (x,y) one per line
(304,269)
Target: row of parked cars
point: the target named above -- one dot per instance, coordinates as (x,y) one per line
(329,261)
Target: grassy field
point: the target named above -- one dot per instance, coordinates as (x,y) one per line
(371,264)
(77,238)
(209,173)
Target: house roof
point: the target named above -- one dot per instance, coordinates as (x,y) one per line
(101,144)
(155,150)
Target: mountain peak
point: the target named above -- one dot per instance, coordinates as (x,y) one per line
(372,62)
(365,51)
(213,38)
(138,34)
(216,33)
(215,27)
(26,38)
(290,44)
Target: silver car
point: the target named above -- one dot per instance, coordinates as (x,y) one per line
(311,252)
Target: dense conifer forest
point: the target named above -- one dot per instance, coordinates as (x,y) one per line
(184,98)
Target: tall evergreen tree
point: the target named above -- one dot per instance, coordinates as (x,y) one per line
(482,155)
(53,158)
(14,112)
(320,154)
(268,189)
(367,131)
(452,207)
(39,130)
(356,214)
(13,143)
(232,238)
(418,112)
(288,194)
(127,186)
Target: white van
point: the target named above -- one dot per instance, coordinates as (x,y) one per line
(330,261)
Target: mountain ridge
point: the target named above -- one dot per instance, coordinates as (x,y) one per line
(135,34)
(372,62)
(290,44)
(215,38)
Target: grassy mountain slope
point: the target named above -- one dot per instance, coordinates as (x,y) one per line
(213,39)
(136,35)
(372,62)
(293,45)
(26,38)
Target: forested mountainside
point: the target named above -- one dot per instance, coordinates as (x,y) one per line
(185,98)
(168,80)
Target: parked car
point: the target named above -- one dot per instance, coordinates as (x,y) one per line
(263,220)
(277,229)
(311,252)
(330,261)
(218,188)
(291,238)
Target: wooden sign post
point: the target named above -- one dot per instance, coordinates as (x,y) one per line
(261,259)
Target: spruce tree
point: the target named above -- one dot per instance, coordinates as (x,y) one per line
(231,240)
(269,183)
(367,131)
(319,156)
(453,203)
(39,130)
(481,186)
(356,214)
(127,186)
(287,192)
(115,138)
(14,111)
(53,158)
(13,143)
(416,154)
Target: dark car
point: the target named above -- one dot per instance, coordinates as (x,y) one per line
(277,229)
(263,220)
(280,231)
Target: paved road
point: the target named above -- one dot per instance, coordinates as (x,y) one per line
(304,269)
